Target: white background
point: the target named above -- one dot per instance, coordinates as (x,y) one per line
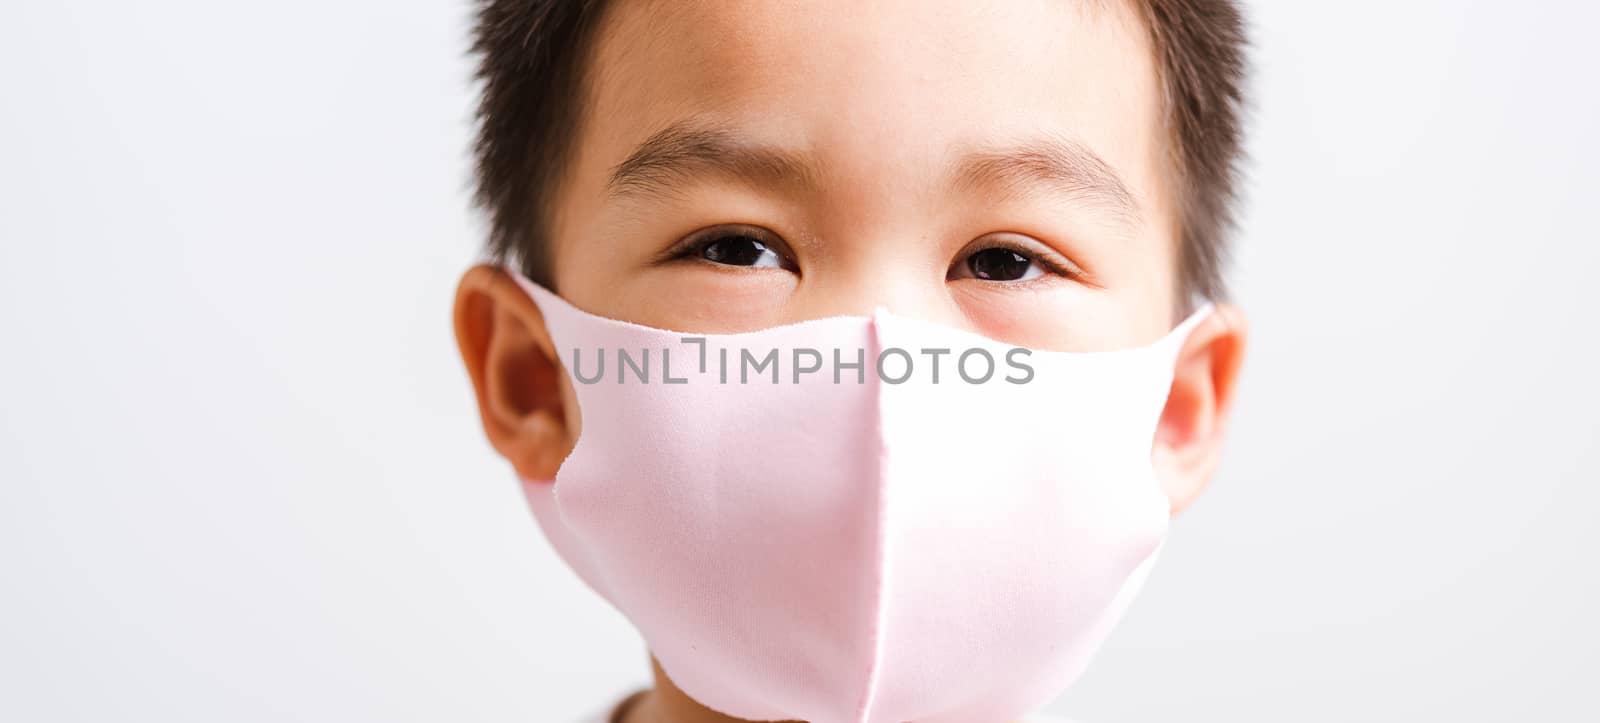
(241,477)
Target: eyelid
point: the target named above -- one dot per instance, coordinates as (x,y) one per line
(699,238)
(1040,252)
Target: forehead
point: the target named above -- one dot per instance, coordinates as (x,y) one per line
(875,89)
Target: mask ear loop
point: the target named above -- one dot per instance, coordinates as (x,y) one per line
(1181,332)
(542,297)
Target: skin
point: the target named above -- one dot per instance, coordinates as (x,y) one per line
(876,110)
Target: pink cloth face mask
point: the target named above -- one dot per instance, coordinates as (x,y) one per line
(812,541)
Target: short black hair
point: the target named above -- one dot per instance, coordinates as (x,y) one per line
(530,62)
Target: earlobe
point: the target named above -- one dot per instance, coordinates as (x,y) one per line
(1189,437)
(523,396)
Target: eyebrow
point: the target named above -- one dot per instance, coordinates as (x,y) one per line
(683,151)
(1051,163)
(1048,164)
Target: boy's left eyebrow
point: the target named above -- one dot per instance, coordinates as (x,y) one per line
(1049,163)
(1046,164)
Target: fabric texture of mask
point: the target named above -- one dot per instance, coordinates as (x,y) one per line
(836,546)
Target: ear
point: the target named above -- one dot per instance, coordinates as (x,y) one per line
(527,404)
(1188,443)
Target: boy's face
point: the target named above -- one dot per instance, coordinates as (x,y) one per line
(999,167)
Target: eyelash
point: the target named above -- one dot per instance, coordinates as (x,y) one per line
(1051,265)
(695,244)
(692,246)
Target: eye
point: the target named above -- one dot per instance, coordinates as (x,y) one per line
(738,246)
(1003,259)
(739,251)
(1002,264)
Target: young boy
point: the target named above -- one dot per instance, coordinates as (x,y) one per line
(1050,174)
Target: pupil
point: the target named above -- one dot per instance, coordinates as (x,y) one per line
(735,251)
(998,264)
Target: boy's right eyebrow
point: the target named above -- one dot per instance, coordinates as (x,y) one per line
(685,149)
(1050,164)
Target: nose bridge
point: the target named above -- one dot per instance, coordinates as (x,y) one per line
(901,275)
